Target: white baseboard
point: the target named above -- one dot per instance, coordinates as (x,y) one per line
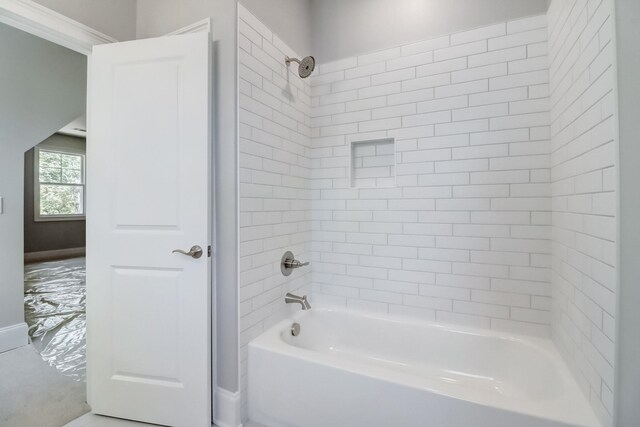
(13,336)
(54,255)
(227,408)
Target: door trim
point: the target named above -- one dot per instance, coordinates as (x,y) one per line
(33,18)
(227,408)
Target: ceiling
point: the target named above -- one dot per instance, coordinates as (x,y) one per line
(78,127)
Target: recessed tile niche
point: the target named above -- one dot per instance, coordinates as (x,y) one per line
(373,164)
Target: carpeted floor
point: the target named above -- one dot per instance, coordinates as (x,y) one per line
(33,394)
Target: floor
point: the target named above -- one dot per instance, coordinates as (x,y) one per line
(33,394)
(54,303)
(55,295)
(42,384)
(92,420)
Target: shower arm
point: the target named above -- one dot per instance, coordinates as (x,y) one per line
(288,60)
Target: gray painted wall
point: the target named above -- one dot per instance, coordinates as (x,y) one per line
(43,88)
(49,235)
(116,18)
(290,19)
(343,28)
(627,411)
(157,17)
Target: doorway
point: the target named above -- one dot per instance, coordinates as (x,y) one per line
(44,89)
(54,244)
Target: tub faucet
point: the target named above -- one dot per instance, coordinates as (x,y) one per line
(290,298)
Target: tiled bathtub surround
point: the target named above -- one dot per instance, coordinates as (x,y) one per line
(275,173)
(583,175)
(464,233)
(467,179)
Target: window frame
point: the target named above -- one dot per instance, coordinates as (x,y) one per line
(37,217)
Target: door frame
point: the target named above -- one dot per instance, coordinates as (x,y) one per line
(40,21)
(33,18)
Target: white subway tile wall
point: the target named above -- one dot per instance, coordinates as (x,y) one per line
(464,233)
(275,179)
(583,175)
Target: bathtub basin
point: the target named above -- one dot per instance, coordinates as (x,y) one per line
(352,370)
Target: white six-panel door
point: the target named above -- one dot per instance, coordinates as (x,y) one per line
(148,183)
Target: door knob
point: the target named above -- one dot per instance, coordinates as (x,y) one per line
(194,252)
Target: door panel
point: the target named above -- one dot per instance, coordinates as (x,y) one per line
(148,185)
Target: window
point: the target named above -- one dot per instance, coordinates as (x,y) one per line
(59,185)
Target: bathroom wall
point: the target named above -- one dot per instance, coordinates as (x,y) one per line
(464,233)
(155,18)
(627,393)
(292,18)
(584,185)
(343,28)
(275,179)
(116,18)
(158,17)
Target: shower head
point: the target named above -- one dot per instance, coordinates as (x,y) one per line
(305,67)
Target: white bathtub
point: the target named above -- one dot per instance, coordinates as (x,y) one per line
(354,370)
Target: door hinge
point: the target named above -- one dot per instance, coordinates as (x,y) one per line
(209,251)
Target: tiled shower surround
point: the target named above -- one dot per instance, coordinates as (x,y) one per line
(465,179)
(464,234)
(584,181)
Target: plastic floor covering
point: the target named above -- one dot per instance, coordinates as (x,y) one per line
(54,302)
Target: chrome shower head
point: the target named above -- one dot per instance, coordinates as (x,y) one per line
(305,67)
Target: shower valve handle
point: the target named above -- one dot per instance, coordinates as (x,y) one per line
(289,262)
(294,263)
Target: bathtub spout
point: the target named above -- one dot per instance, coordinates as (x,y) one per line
(290,298)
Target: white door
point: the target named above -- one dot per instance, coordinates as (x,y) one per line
(148,183)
